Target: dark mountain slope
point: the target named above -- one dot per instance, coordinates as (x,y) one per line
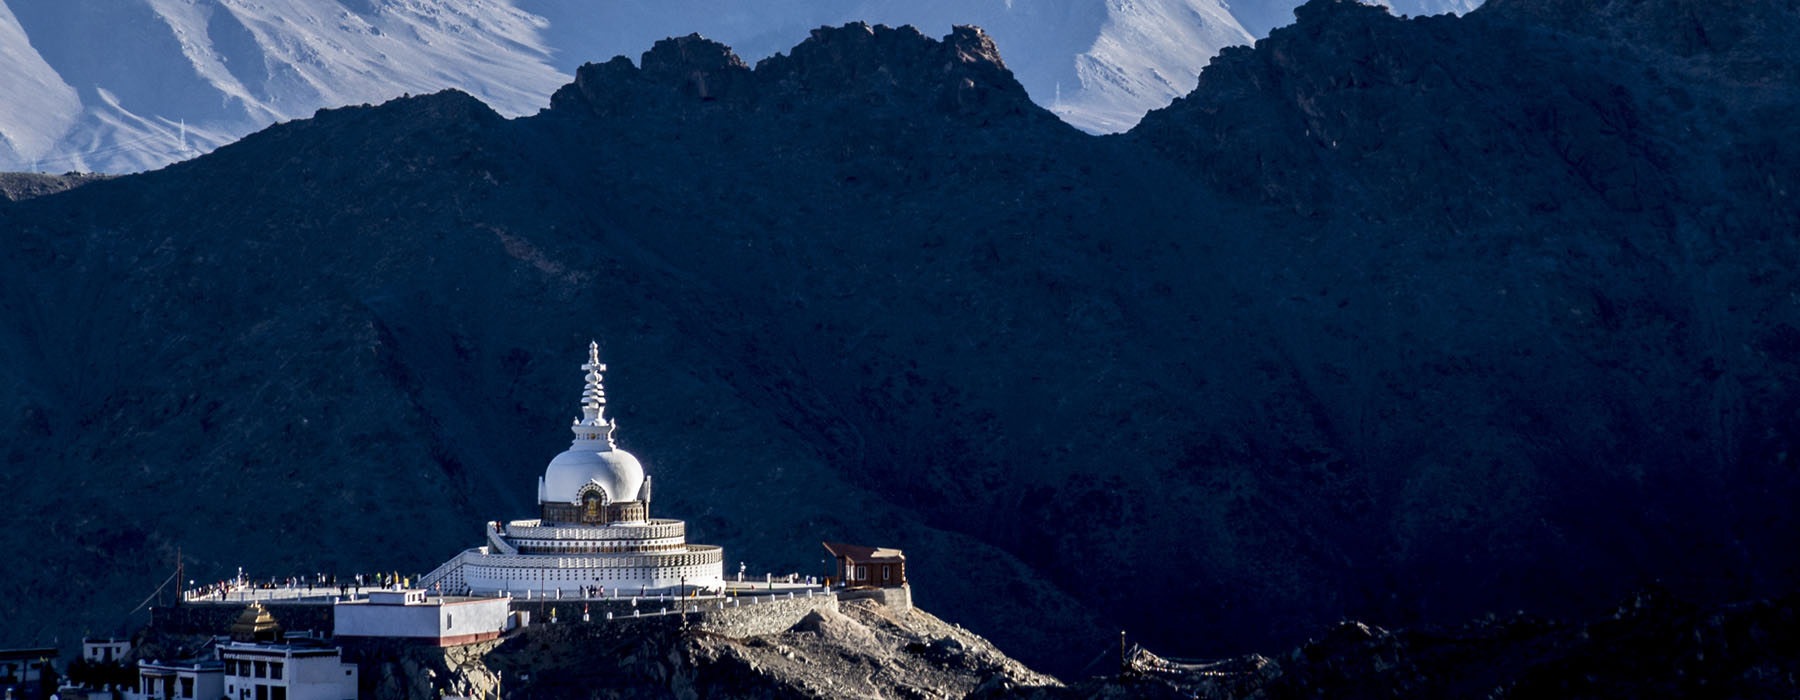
(1371,324)
(1651,646)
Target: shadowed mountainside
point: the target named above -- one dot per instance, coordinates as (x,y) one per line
(1651,646)
(1404,320)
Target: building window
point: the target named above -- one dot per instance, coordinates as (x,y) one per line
(187,687)
(262,691)
(862,573)
(884,572)
(274,669)
(262,670)
(278,693)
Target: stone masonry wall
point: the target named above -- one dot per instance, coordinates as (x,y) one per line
(899,598)
(216,617)
(747,616)
(738,617)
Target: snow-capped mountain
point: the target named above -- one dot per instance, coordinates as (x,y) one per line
(121,85)
(124,85)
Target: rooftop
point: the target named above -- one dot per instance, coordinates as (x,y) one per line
(28,653)
(859,552)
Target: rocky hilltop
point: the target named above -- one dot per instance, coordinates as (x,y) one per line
(861,649)
(1396,320)
(1652,645)
(867,651)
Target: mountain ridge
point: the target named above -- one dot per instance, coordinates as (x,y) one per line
(136,85)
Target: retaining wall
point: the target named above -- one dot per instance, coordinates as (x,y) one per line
(747,616)
(215,617)
(898,597)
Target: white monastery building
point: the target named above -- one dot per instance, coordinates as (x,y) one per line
(285,671)
(594,528)
(199,679)
(104,650)
(438,620)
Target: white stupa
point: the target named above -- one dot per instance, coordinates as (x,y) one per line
(594,528)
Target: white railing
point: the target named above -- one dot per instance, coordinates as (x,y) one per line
(693,555)
(657,529)
(445,569)
(499,543)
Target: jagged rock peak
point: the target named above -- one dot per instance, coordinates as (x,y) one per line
(447,105)
(844,57)
(698,67)
(868,64)
(1315,11)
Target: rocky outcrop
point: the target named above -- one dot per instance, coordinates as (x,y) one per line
(864,651)
(869,69)
(18,186)
(401,670)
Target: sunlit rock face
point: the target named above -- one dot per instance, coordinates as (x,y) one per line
(1398,320)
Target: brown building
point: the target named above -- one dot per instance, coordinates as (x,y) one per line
(859,565)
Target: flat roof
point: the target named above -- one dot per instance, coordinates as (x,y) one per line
(863,552)
(277,650)
(430,601)
(183,665)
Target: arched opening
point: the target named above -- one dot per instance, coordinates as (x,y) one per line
(593,506)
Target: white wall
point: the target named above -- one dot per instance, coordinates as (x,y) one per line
(428,621)
(362,619)
(321,678)
(473,617)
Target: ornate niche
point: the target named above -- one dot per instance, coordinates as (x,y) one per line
(593,504)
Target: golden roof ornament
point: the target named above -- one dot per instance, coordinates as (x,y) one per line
(255,624)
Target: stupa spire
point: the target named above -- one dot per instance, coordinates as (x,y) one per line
(592,425)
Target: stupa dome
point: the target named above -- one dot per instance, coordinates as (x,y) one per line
(593,458)
(614,470)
